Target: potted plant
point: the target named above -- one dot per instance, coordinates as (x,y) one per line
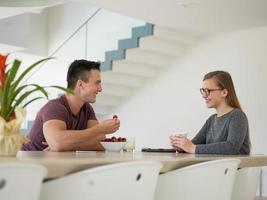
(14,97)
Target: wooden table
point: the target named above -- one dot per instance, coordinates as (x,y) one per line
(62,163)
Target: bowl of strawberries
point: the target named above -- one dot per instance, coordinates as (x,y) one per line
(113,144)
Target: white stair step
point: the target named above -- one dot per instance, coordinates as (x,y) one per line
(127,67)
(110,77)
(116,90)
(174,35)
(155,53)
(108,100)
(163,46)
(148,57)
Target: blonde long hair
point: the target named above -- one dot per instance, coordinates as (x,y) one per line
(223,80)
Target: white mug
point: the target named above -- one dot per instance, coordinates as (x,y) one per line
(180,133)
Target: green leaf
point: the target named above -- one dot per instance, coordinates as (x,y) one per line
(10,86)
(32,100)
(67,90)
(41,89)
(28,70)
(20,99)
(26,94)
(12,95)
(20,89)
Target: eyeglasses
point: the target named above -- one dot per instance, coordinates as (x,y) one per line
(205,92)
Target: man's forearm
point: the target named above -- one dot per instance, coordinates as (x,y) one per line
(88,146)
(69,140)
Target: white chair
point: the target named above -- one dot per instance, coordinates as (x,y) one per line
(21,181)
(204,181)
(121,181)
(246,183)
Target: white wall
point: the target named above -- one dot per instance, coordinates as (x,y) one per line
(63,21)
(173,102)
(104,31)
(27,31)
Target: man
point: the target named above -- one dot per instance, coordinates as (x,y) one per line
(68,123)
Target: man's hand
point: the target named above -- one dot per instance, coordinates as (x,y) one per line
(47,148)
(110,125)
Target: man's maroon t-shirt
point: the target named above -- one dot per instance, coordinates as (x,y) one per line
(57,109)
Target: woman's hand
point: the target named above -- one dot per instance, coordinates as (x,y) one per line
(181,142)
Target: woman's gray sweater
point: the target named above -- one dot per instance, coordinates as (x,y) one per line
(227,134)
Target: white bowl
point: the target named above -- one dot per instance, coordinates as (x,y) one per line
(113,146)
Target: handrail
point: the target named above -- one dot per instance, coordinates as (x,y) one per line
(74,33)
(65,41)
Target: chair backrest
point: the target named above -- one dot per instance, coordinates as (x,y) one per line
(21,181)
(204,181)
(127,180)
(246,183)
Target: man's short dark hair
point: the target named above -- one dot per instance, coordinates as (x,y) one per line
(78,69)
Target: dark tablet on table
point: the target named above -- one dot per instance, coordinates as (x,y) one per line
(158,150)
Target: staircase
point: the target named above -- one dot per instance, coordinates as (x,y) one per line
(138,59)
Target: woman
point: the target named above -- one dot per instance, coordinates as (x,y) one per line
(225,132)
